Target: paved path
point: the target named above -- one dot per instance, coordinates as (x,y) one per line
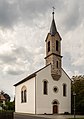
(26,116)
(30,116)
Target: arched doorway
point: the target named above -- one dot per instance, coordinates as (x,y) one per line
(55,107)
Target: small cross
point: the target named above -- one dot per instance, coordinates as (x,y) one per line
(53,8)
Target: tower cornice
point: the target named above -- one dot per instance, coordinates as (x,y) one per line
(53,36)
(53,54)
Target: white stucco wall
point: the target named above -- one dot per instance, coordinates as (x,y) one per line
(29,106)
(40,103)
(44,102)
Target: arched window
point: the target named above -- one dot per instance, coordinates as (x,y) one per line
(57,64)
(64,89)
(23,94)
(45,86)
(48,46)
(57,45)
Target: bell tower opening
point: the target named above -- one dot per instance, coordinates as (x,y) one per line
(48,46)
(57,47)
(53,50)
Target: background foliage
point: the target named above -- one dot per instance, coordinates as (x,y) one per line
(9,105)
(78,87)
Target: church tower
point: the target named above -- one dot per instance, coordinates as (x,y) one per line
(53,50)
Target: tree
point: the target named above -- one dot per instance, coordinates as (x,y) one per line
(10,105)
(7,97)
(78,87)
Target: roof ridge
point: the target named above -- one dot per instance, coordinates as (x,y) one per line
(30,76)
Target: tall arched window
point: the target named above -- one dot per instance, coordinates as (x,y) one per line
(48,46)
(45,87)
(23,94)
(64,89)
(57,64)
(57,45)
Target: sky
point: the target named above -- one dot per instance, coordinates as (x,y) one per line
(24,25)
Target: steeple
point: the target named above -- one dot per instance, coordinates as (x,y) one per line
(53,50)
(53,29)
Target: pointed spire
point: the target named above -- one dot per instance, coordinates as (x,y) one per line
(53,29)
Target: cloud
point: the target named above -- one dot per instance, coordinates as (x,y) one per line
(14,60)
(13,70)
(31,14)
(73,16)
(8,16)
(27,12)
(24,25)
(72,49)
(16,11)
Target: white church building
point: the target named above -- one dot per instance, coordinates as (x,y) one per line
(48,90)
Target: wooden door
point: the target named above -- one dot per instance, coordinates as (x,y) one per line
(55,109)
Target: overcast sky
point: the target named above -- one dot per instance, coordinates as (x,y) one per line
(24,25)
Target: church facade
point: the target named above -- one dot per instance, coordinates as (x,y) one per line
(48,90)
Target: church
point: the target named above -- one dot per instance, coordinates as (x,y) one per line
(48,90)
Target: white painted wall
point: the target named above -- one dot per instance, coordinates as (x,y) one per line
(44,102)
(29,106)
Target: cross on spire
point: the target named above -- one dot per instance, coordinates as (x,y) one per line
(53,11)
(53,8)
(53,29)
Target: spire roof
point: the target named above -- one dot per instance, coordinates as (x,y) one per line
(53,29)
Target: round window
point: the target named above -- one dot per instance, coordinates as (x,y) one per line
(55,89)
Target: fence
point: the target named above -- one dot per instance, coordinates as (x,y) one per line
(6,115)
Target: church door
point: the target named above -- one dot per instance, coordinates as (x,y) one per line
(55,109)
